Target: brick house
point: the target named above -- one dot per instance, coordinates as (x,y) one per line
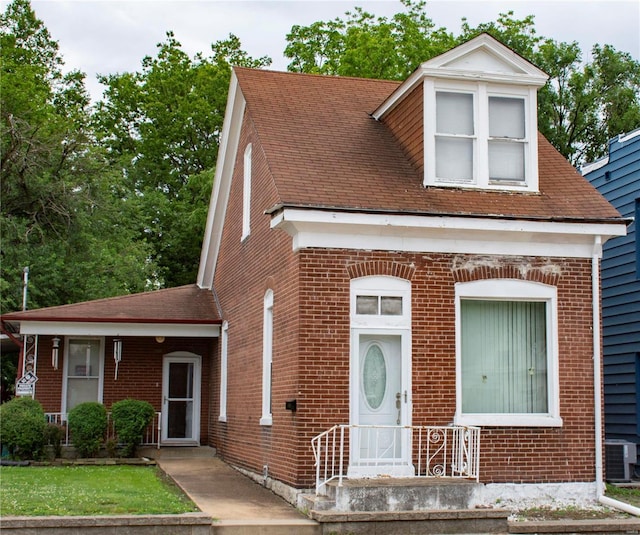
(392,257)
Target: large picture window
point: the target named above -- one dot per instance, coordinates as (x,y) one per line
(507,359)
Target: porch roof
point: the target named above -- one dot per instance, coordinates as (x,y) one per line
(183,311)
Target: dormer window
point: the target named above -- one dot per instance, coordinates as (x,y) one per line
(479,117)
(480,137)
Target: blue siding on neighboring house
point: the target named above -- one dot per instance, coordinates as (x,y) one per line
(618,179)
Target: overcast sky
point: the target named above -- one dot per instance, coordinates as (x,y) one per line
(112,36)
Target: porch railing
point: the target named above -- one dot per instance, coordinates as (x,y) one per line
(436,451)
(151,436)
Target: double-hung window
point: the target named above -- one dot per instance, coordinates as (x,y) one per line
(83,370)
(507,363)
(482,136)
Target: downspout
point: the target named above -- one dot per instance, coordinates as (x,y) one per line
(597,360)
(597,383)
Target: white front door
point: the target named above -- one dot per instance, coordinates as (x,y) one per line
(380,443)
(181,399)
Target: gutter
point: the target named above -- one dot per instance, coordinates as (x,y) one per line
(597,384)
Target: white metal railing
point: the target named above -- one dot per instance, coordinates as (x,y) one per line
(435,451)
(151,435)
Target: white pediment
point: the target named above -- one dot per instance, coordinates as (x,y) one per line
(484,57)
(482,60)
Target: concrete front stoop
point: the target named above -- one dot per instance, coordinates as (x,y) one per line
(403,506)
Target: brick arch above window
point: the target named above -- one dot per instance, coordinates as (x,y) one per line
(381,267)
(474,268)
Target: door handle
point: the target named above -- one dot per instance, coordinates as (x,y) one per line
(398,405)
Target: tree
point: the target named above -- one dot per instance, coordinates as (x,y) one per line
(367,47)
(161,127)
(580,108)
(60,211)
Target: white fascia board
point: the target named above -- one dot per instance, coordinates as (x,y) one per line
(473,76)
(62,328)
(445,234)
(227,151)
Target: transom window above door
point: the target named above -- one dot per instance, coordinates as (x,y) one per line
(381,301)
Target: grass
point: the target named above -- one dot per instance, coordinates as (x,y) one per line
(624,494)
(627,495)
(88,490)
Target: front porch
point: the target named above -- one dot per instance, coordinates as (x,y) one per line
(416,479)
(382,451)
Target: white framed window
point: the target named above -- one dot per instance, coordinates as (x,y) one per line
(507,354)
(267,359)
(483,136)
(83,371)
(224,343)
(380,301)
(246,194)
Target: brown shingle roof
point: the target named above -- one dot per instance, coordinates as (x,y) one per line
(184,304)
(325,150)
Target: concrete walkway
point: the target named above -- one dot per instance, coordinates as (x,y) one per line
(237,504)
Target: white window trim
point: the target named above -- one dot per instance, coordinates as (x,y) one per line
(246,194)
(223,372)
(512,290)
(267,359)
(380,286)
(65,369)
(481,92)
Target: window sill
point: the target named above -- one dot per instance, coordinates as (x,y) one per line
(266,420)
(509,420)
(222,418)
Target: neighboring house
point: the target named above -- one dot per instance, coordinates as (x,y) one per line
(617,177)
(387,256)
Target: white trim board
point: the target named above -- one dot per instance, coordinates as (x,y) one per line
(443,234)
(64,328)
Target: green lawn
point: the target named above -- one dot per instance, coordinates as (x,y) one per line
(88,490)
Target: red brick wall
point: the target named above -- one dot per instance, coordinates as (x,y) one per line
(139,372)
(508,454)
(312,344)
(246,270)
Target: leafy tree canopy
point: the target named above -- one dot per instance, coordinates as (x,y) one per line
(582,106)
(161,127)
(59,212)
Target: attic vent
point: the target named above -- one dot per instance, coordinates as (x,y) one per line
(620,457)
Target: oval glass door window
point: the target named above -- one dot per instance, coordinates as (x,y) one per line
(374,376)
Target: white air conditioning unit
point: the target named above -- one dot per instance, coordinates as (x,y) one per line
(620,458)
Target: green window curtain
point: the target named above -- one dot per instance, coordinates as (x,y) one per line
(504,357)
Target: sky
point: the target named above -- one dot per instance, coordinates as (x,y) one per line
(113,36)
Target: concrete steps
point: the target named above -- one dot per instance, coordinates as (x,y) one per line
(407,506)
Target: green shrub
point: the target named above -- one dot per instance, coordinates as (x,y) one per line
(22,428)
(53,435)
(87,426)
(130,418)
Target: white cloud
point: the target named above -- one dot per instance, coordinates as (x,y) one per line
(112,36)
